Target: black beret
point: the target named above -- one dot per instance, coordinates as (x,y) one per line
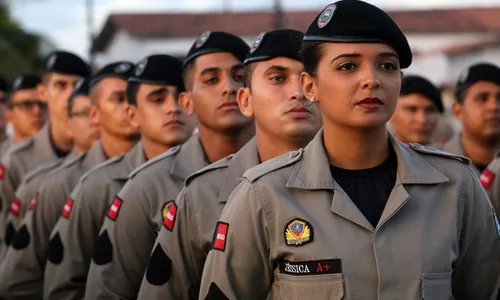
(413,84)
(66,63)
(355,21)
(4,84)
(217,41)
(122,69)
(477,72)
(276,43)
(159,69)
(82,88)
(24,82)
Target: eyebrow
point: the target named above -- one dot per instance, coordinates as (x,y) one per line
(275,68)
(357,55)
(209,70)
(237,67)
(157,92)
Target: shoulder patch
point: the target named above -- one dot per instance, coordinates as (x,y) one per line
(113,160)
(158,158)
(222,163)
(276,163)
(437,152)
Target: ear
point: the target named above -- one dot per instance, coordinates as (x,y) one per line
(9,115)
(131,111)
(94,114)
(243,98)
(186,103)
(456,108)
(42,91)
(308,85)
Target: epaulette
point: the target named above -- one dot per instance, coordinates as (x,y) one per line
(437,152)
(276,163)
(42,169)
(113,160)
(169,153)
(222,163)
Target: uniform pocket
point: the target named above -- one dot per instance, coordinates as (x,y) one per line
(436,286)
(317,287)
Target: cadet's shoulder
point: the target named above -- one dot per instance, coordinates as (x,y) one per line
(43,170)
(158,162)
(273,166)
(438,153)
(97,173)
(65,168)
(19,148)
(209,171)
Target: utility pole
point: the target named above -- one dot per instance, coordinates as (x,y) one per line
(278,14)
(90,29)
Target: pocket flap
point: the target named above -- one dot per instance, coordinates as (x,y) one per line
(436,286)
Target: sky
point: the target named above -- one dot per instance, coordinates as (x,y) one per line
(64,21)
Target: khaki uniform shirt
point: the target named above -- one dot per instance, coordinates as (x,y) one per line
(4,147)
(26,194)
(92,196)
(454,145)
(186,244)
(20,159)
(130,229)
(291,230)
(21,273)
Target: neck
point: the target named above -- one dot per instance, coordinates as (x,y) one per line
(353,149)
(113,145)
(270,147)
(80,149)
(219,145)
(480,152)
(60,137)
(17,137)
(152,149)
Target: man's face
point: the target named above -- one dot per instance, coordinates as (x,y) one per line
(83,129)
(415,119)
(111,107)
(56,91)
(216,78)
(27,112)
(160,116)
(480,111)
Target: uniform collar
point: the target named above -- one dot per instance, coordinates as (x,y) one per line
(313,172)
(131,160)
(242,160)
(189,158)
(42,141)
(94,156)
(454,145)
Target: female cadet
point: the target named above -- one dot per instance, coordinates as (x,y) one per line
(356,214)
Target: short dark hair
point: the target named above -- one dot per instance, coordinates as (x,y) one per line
(311,53)
(247,75)
(460,96)
(187,74)
(132,88)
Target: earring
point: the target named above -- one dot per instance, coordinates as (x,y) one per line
(313,98)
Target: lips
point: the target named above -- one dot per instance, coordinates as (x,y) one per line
(229,105)
(174,123)
(370,103)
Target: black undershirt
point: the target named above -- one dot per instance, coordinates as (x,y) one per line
(59,153)
(480,167)
(370,188)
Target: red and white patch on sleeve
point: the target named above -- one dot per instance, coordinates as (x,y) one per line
(2,171)
(15,207)
(33,202)
(67,208)
(114,209)
(486,178)
(169,219)
(220,235)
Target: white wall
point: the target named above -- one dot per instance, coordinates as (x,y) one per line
(431,41)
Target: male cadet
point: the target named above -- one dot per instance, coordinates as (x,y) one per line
(23,268)
(153,95)
(477,107)
(272,95)
(85,133)
(417,112)
(212,74)
(61,71)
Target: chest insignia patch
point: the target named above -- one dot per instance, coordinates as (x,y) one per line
(298,232)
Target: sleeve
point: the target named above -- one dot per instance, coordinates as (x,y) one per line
(21,273)
(122,249)
(176,263)
(477,272)
(8,186)
(239,265)
(19,206)
(76,232)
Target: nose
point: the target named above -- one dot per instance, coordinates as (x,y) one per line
(370,79)
(172,106)
(420,117)
(230,86)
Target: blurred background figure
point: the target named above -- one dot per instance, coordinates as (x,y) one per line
(418,110)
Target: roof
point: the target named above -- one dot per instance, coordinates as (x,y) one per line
(164,25)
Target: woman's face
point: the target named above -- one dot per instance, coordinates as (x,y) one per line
(356,85)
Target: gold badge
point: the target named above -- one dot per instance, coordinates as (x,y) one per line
(166,208)
(298,232)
